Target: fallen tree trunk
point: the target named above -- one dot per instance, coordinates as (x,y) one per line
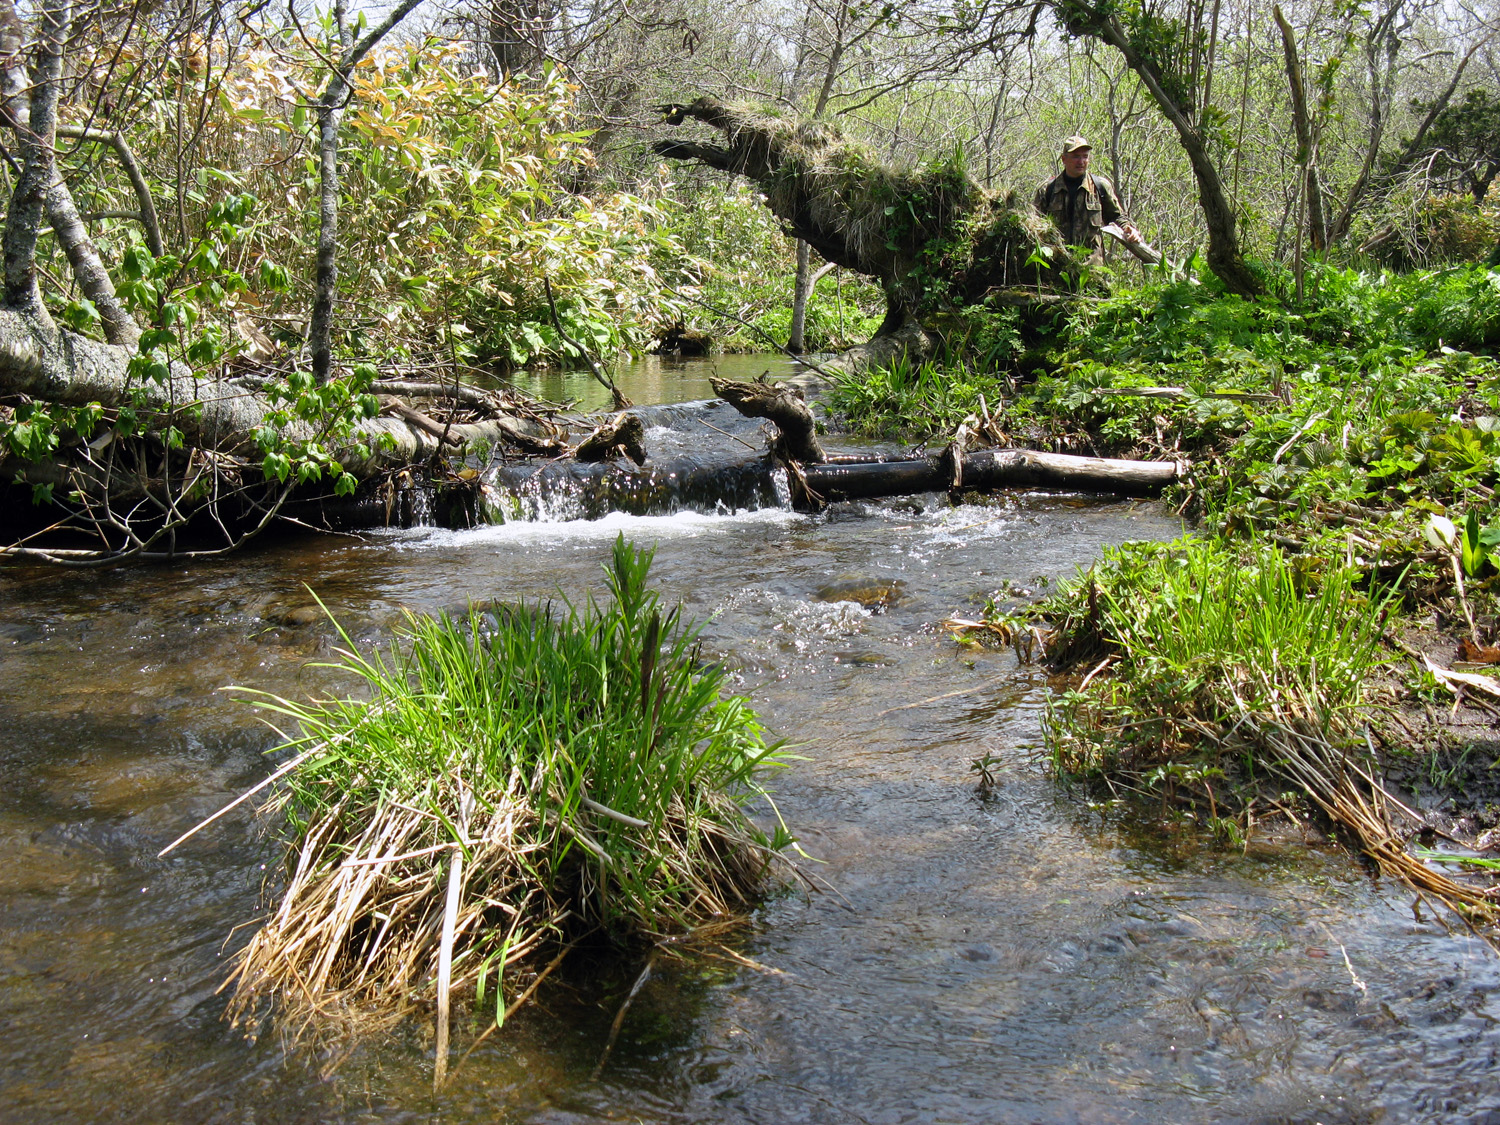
(178,467)
(552,491)
(935,239)
(988,469)
(73,370)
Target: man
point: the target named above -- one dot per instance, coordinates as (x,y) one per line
(1081,204)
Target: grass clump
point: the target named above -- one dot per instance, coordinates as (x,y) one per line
(885,403)
(1211,651)
(579,768)
(1236,665)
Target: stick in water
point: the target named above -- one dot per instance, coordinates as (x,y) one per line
(445,951)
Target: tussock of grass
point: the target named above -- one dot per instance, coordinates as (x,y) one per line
(578,768)
(1206,641)
(1213,664)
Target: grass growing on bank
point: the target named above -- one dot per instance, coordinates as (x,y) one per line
(534,773)
(1212,650)
(1229,666)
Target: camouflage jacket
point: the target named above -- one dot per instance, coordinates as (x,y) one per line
(1097,204)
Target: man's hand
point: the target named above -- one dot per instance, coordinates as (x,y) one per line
(1128,229)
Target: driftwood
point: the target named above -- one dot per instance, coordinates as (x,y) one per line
(624,434)
(784,406)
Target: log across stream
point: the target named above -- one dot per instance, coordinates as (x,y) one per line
(704,457)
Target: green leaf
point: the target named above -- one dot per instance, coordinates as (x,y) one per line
(81,315)
(277,466)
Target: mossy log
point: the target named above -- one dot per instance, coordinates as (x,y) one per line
(936,240)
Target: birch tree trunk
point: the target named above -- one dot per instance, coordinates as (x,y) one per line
(36,140)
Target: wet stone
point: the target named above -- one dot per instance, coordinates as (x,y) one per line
(15,633)
(872,593)
(1328,1000)
(301,616)
(870,659)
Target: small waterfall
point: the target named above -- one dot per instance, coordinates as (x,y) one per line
(782,486)
(421,512)
(704,457)
(560,491)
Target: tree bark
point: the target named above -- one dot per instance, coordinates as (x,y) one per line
(330,112)
(37,139)
(150,223)
(797,439)
(88,267)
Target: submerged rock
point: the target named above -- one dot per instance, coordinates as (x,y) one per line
(872,593)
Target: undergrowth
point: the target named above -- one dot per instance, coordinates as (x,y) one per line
(1209,645)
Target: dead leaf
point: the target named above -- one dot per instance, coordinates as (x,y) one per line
(1475,654)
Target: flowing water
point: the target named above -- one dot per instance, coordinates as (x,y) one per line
(1026,958)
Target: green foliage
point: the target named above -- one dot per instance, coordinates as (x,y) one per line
(909,399)
(1463,143)
(459,211)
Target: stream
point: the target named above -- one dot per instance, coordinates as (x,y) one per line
(1030,957)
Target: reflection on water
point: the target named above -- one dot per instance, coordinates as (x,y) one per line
(1026,958)
(652,378)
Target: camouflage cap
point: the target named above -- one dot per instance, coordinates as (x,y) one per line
(1074,143)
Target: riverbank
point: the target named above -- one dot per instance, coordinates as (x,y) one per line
(1338,586)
